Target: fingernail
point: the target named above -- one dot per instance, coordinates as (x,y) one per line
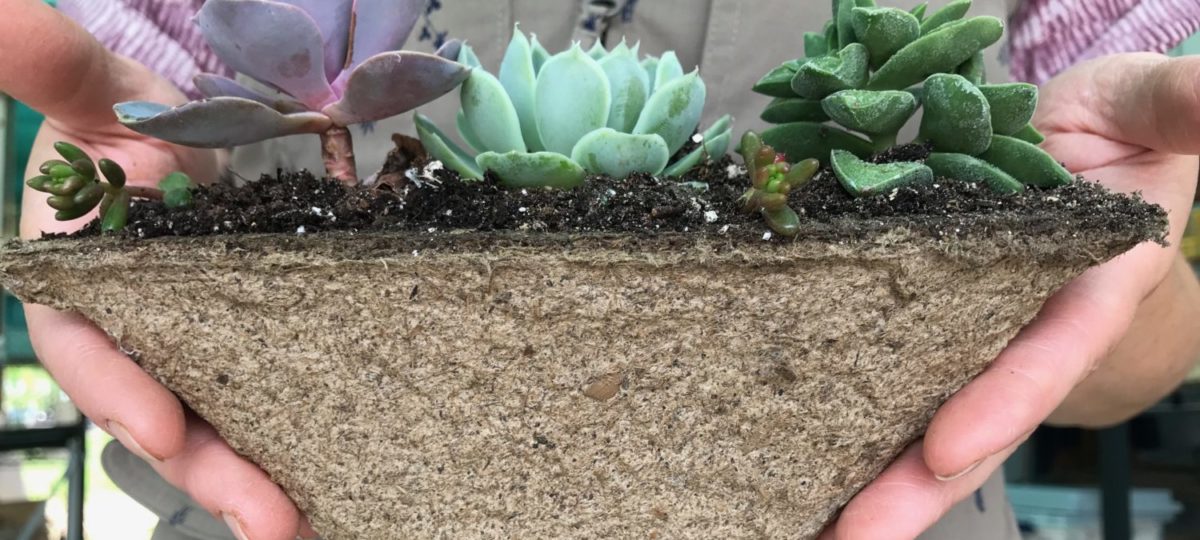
(121,434)
(235,525)
(961,473)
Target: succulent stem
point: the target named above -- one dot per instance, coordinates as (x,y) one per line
(883,141)
(337,149)
(138,192)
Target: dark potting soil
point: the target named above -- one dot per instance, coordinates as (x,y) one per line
(429,198)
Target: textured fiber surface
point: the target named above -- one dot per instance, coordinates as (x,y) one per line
(471,386)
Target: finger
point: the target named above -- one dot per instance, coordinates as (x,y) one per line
(57,67)
(106,385)
(230,487)
(907,499)
(1078,326)
(1143,99)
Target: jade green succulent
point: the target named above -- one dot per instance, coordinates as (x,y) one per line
(873,68)
(77,185)
(772,178)
(549,121)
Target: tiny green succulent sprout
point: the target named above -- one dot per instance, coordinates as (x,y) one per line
(76,189)
(550,123)
(772,179)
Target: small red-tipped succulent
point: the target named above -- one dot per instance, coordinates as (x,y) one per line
(336,62)
(772,179)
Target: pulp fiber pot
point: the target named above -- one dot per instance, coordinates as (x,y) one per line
(549,386)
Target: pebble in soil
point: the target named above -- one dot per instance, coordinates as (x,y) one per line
(432,198)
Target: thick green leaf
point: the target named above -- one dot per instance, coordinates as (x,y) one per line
(1027,163)
(539,169)
(117,213)
(845,22)
(884,31)
(443,149)
(597,51)
(951,12)
(616,154)
(674,111)
(650,64)
(940,52)
(846,69)
(668,70)
(815,45)
(785,110)
(518,78)
(572,99)
(539,53)
(975,70)
(490,114)
(1030,135)
(1012,105)
(804,140)
(969,169)
(870,111)
(468,134)
(630,88)
(862,178)
(957,116)
(467,57)
(176,181)
(778,82)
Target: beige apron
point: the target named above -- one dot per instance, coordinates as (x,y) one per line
(733,42)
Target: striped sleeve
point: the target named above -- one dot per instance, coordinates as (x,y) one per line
(158,33)
(1049,36)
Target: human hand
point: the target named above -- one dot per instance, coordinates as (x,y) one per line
(57,68)
(1129,122)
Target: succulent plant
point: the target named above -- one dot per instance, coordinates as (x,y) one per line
(871,70)
(772,178)
(76,187)
(550,120)
(336,63)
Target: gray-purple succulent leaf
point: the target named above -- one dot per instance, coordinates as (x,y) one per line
(335,62)
(217,123)
(212,86)
(292,59)
(392,83)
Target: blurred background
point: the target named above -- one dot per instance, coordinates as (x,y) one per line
(1140,480)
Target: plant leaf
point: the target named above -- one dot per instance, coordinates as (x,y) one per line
(519,80)
(383,26)
(674,111)
(845,69)
(785,110)
(216,123)
(616,154)
(213,86)
(630,87)
(885,31)
(572,99)
(957,116)
(539,169)
(862,178)
(650,64)
(450,49)
(667,70)
(245,34)
(466,56)
(443,149)
(804,140)
(872,112)
(333,20)
(490,113)
(539,54)
(392,83)
(715,145)
(468,134)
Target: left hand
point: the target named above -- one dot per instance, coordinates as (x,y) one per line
(1131,122)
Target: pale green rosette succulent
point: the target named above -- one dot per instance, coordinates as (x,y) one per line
(552,120)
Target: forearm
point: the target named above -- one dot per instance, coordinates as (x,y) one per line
(1160,349)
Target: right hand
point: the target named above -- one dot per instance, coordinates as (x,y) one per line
(55,67)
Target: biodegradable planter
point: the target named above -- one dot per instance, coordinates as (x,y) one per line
(539,386)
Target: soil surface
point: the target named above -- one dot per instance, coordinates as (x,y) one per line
(429,198)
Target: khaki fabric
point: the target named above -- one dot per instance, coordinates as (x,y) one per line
(732,42)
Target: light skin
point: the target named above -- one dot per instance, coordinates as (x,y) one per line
(1104,347)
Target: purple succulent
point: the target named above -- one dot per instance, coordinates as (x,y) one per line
(336,61)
